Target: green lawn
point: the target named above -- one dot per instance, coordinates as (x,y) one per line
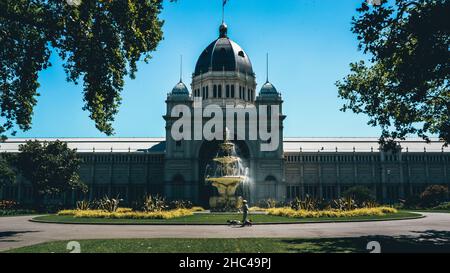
(219,219)
(260,245)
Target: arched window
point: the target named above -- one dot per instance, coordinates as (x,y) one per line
(227,91)
(232,91)
(270,178)
(220,90)
(215,91)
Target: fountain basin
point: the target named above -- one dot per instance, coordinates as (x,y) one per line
(227,185)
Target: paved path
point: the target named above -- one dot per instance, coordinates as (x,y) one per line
(18,231)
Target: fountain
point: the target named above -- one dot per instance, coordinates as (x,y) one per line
(226,173)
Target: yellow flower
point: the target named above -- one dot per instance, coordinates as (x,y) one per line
(333,213)
(127,213)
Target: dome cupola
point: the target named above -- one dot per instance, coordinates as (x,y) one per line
(223,55)
(180,92)
(223,73)
(180,89)
(268,89)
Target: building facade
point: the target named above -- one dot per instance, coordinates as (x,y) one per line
(319,167)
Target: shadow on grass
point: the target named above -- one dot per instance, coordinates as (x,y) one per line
(430,241)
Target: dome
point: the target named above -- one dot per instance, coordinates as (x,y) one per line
(268,89)
(223,55)
(180,89)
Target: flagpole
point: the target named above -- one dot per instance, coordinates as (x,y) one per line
(181,68)
(223,12)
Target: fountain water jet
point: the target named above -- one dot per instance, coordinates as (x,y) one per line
(226,173)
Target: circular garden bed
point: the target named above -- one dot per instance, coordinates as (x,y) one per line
(221,219)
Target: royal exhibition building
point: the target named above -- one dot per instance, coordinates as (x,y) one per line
(175,169)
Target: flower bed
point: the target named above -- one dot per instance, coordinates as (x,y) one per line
(126,213)
(289,212)
(16,212)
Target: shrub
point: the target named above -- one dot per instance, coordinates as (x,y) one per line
(289,212)
(296,204)
(345,203)
(126,213)
(412,202)
(370,204)
(268,203)
(109,204)
(8,205)
(84,205)
(197,209)
(256,209)
(124,210)
(443,206)
(180,204)
(14,212)
(271,203)
(67,212)
(433,196)
(154,203)
(360,194)
(308,203)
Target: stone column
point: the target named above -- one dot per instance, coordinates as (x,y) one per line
(93,165)
(319,170)
(147,163)
(338,178)
(444,166)
(111,167)
(373,165)
(402,180)
(129,185)
(383,177)
(302,177)
(427,170)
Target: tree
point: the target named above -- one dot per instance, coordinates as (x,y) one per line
(360,194)
(7,174)
(51,168)
(405,88)
(100,43)
(433,195)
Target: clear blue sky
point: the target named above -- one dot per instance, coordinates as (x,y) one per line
(310,46)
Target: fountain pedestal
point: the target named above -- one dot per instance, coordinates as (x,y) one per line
(226,187)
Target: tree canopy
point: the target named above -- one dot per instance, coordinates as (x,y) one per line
(404,88)
(100,43)
(49,167)
(7,174)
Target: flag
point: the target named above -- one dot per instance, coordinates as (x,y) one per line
(224,2)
